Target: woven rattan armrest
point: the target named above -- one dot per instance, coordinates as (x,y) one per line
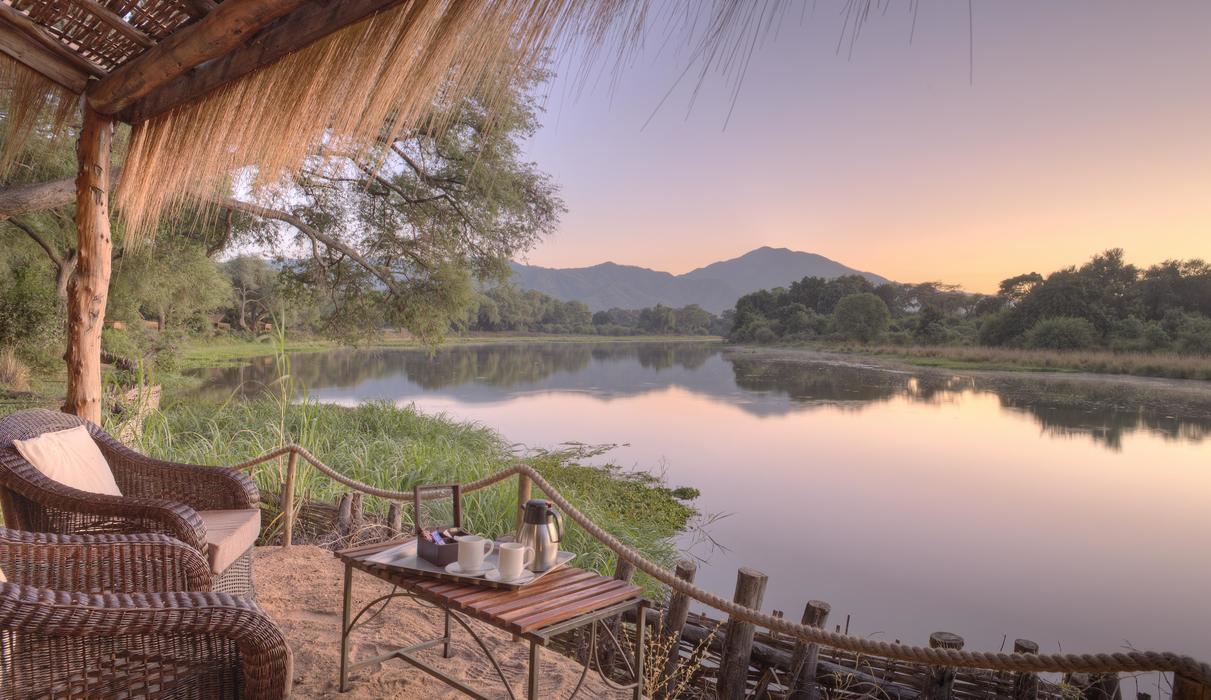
(265,658)
(102,563)
(125,514)
(200,487)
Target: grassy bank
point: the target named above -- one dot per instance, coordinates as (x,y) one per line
(233,350)
(1165,365)
(397,448)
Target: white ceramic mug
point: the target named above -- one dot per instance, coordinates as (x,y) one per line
(514,558)
(471,552)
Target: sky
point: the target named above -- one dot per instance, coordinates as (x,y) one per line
(1048,132)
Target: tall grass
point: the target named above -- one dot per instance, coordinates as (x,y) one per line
(14,374)
(397,448)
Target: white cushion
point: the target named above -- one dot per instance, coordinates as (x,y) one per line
(71,458)
(229,533)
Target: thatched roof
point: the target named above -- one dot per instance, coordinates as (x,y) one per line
(210,87)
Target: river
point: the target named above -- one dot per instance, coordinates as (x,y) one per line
(1071,512)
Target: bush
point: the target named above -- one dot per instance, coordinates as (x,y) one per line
(1004,327)
(1194,335)
(861,317)
(30,318)
(1062,333)
(765,335)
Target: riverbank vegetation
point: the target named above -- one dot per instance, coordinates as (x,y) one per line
(1104,316)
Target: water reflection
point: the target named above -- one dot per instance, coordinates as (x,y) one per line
(762,385)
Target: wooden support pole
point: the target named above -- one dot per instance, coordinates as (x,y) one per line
(229,26)
(88,289)
(524,488)
(733,665)
(939,679)
(356,517)
(805,658)
(395,519)
(287,500)
(1025,683)
(674,623)
(1186,688)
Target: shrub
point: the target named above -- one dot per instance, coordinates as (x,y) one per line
(1004,327)
(1194,335)
(1062,333)
(861,317)
(765,335)
(13,373)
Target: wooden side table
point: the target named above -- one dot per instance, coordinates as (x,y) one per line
(560,602)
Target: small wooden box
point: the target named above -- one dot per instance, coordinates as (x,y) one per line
(437,554)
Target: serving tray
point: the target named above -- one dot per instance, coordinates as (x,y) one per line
(404,557)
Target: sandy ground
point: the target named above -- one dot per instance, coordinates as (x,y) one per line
(300,589)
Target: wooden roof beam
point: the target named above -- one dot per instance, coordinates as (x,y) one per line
(21,22)
(199,8)
(111,19)
(20,47)
(230,25)
(313,21)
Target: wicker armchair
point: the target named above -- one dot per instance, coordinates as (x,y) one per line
(158,496)
(93,616)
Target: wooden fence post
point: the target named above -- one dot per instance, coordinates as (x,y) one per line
(523,495)
(623,571)
(733,665)
(344,515)
(1025,683)
(939,679)
(805,657)
(674,621)
(1186,688)
(287,500)
(395,519)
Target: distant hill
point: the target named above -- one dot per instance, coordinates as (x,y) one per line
(715,287)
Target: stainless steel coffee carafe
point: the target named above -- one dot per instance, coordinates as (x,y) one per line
(542,529)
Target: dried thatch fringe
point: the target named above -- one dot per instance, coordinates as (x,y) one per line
(350,91)
(28,100)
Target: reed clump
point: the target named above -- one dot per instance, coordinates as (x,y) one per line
(14,374)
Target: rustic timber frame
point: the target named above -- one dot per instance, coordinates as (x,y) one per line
(130,61)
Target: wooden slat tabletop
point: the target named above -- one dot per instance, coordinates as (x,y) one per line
(557,597)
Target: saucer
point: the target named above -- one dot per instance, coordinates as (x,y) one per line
(525,577)
(454,568)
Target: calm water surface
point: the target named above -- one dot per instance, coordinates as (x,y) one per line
(1072,513)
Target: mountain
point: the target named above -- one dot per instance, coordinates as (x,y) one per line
(715,287)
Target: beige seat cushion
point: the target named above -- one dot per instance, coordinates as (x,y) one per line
(229,533)
(71,458)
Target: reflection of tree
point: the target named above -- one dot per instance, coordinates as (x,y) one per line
(501,365)
(1105,412)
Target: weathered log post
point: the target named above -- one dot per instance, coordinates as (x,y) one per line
(395,519)
(287,500)
(674,622)
(88,288)
(939,679)
(733,665)
(1186,688)
(344,512)
(805,657)
(524,487)
(1025,683)
(357,518)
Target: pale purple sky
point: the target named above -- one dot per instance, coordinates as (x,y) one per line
(1086,124)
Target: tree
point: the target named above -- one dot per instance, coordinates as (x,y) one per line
(1062,333)
(401,243)
(255,289)
(658,319)
(861,317)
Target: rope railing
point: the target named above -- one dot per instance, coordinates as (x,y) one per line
(1188,669)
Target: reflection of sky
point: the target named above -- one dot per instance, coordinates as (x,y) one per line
(914,511)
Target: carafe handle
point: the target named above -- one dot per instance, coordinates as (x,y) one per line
(553,515)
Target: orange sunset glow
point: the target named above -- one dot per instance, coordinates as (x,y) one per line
(1049,132)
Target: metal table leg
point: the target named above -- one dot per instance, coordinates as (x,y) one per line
(446,653)
(532,684)
(345,624)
